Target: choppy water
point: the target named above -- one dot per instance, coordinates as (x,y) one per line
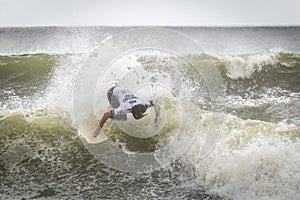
(256,155)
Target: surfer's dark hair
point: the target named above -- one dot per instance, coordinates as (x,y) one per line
(137,110)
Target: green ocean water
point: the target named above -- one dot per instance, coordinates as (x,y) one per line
(43,157)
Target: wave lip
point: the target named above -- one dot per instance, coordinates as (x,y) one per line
(244,66)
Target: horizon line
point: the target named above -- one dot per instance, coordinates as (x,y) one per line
(120,26)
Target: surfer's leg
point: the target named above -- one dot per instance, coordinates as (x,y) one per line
(109,94)
(113,101)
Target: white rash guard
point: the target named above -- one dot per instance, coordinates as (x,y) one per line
(127,101)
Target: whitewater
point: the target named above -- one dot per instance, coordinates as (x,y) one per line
(244,145)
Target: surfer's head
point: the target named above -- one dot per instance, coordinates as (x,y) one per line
(138,111)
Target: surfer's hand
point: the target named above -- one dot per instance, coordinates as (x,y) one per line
(96,132)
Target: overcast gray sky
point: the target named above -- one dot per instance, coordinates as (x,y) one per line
(149,12)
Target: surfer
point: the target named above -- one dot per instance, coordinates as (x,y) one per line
(123,101)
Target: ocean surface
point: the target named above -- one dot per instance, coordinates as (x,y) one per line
(53,80)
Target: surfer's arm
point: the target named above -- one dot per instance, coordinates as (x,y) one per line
(156,106)
(157,112)
(101,123)
(105,118)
